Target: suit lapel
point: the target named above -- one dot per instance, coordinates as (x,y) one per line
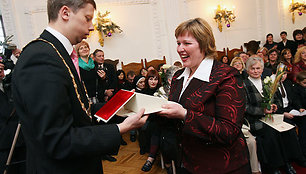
(194,85)
(178,87)
(59,46)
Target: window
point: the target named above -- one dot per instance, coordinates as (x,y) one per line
(2,33)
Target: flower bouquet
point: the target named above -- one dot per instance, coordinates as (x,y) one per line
(270,86)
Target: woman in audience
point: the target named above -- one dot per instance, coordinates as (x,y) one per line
(143,72)
(299,62)
(225,60)
(270,44)
(211,105)
(263,53)
(299,90)
(121,80)
(298,38)
(273,60)
(287,59)
(87,69)
(287,100)
(139,83)
(237,63)
(152,83)
(275,149)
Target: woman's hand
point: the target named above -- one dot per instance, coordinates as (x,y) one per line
(173,110)
(102,74)
(288,115)
(273,109)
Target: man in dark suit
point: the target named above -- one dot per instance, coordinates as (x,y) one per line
(108,76)
(285,43)
(51,101)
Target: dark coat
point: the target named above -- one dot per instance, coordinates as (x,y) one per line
(212,141)
(59,136)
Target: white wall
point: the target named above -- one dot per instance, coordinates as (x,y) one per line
(148,25)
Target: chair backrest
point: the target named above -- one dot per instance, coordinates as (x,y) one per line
(230,53)
(112,62)
(136,67)
(155,62)
(221,54)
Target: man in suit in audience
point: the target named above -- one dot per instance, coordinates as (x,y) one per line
(108,76)
(285,43)
(51,101)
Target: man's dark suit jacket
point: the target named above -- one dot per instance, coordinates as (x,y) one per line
(59,136)
(212,141)
(289,44)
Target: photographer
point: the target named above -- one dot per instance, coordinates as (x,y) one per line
(8,125)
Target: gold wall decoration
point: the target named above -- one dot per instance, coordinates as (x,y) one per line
(105,26)
(222,14)
(299,7)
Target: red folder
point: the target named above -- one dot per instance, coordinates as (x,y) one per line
(114,105)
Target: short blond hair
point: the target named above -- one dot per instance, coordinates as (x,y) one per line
(202,32)
(77,47)
(238,59)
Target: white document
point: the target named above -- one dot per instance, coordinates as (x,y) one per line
(297,113)
(151,104)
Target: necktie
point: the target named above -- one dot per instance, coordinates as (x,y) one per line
(282,90)
(75,61)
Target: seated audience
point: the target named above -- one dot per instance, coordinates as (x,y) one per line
(143,72)
(244,56)
(287,101)
(285,43)
(299,62)
(274,149)
(270,44)
(299,90)
(121,80)
(87,69)
(225,60)
(129,84)
(298,38)
(263,53)
(178,64)
(108,75)
(237,63)
(287,59)
(152,83)
(273,60)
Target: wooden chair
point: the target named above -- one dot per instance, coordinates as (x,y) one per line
(155,62)
(136,67)
(112,62)
(221,54)
(230,53)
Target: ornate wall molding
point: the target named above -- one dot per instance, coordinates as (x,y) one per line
(259,16)
(156,18)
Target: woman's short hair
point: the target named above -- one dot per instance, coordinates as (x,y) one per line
(53,6)
(202,32)
(170,72)
(298,53)
(77,47)
(262,49)
(252,60)
(238,59)
(284,51)
(296,32)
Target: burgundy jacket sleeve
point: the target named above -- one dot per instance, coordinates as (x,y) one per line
(215,109)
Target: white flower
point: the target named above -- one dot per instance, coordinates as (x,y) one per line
(267,79)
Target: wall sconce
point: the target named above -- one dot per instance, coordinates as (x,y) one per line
(105,26)
(299,7)
(224,14)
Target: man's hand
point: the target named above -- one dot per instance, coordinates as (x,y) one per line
(133,122)
(109,92)
(102,74)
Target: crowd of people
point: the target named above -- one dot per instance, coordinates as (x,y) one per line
(56,87)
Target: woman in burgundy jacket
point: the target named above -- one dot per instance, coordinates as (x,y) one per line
(211,105)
